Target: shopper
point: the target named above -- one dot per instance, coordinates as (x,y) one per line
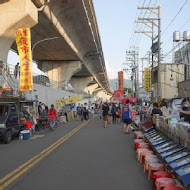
(40,108)
(52,117)
(99,112)
(156,110)
(105,110)
(113,112)
(85,112)
(79,112)
(118,113)
(127,111)
(92,111)
(110,114)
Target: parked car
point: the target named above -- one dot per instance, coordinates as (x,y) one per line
(10,110)
(9,121)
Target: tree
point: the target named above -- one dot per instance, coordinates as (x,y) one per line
(127,89)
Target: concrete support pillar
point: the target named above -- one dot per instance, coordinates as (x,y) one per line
(60,71)
(80,83)
(15,14)
(91,88)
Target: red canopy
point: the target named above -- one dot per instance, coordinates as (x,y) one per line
(131,100)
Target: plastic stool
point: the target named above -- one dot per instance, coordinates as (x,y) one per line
(136,133)
(137,141)
(139,151)
(149,161)
(164,182)
(154,167)
(140,136)
(143,145)
(150,156)
(173,188)
(143,154)
(160,174)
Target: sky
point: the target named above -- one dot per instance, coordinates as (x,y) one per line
(116,27)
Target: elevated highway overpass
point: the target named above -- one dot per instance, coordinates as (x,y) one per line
(75,57)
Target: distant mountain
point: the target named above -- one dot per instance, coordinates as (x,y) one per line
(127,83)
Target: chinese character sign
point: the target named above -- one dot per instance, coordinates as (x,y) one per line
(24,49)
(120,80)
(147,79)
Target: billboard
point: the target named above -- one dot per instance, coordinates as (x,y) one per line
(23,41)
(147,79)
(120,80)
(118,96)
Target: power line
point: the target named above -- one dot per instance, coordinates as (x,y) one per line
(178,29)
(175,17)
(142,23)
(132,33)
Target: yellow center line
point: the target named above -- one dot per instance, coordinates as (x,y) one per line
(38,157)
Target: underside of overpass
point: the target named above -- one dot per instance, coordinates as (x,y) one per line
(77,52)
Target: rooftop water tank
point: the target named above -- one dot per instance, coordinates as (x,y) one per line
(176,36)
(186,36)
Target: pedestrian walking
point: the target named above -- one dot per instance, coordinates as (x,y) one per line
(113,112)
(92,111)
(118,113)
(79,112)
(85,112)
(40,108)
(99,112)
(110,114)
(52,117)
(127,111)
(105,110)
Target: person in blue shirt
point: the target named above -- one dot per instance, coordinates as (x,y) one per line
(127,110)
(79,109)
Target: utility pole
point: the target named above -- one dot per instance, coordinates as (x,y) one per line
(147,21)
(159,55)
(132,62)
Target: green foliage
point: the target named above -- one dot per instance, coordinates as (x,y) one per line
(127,89)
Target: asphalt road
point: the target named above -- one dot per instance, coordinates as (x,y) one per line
(93,158)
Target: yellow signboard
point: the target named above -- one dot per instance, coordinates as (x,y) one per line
(24,48)
(69,100)
(147,79)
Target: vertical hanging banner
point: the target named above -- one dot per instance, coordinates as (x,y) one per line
(24,49)
(147,79)
(120,80)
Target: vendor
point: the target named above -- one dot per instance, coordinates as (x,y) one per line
(186,110)
(165,109)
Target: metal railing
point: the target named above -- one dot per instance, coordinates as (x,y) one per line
(40,79)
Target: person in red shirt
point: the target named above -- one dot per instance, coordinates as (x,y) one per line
(52,116)
(118,113)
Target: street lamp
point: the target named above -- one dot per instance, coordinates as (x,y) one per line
(46,39)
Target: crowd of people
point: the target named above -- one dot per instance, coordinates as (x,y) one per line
(111,113)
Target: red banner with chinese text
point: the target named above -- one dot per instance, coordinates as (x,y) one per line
(24,48)
(120,80)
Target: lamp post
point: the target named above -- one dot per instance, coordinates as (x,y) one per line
(46,39)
